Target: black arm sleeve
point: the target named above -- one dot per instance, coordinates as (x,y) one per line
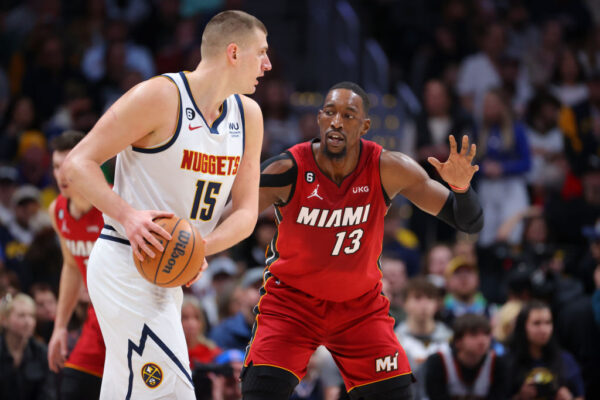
(278,180)
(463,211)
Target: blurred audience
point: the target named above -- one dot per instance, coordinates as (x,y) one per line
(540,369)
(24,372)
(469,368)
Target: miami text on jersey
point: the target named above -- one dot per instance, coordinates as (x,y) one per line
(210,164)
(333,218)
(80,248)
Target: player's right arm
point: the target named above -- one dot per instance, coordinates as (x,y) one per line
(277,177)
(141,117)
(68,293)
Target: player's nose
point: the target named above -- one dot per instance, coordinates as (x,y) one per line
(267,64)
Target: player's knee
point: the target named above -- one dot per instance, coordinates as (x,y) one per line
(267,383)
(394,389)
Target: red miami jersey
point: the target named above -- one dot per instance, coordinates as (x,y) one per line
(329,237)
(80,236)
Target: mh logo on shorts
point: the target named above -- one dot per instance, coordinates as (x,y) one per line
(152,375)
(387,363)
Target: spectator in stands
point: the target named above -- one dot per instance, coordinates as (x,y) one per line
(136,57)
(504,155)
(540,369)
(480,72)
(8,185)
(428,136)
(469,368)
(568,83)
(541,59)
(394,275)
(20,117)
(235,332)
(581,126)
(24,372)
(462,283)
(200,348)
(228,386)
(436,262)
(420,334)
(548,163)
(578,328)
(17,236)
(45,302)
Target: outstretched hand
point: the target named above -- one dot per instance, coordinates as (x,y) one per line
(457,171)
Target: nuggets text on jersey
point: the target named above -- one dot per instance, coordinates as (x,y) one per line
(209,164)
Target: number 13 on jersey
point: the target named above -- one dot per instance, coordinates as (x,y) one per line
(207,192)
(355,236)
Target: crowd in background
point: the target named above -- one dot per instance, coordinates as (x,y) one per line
(521,78)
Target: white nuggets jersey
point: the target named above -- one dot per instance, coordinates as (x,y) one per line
(192,173)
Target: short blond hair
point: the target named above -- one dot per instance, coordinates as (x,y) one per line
(228,27)
(7,303)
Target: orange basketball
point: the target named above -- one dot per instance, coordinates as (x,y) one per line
(182,258)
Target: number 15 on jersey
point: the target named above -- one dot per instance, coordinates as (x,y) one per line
(206,192)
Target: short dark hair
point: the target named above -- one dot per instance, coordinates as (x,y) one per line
(226,27)
(420,286)
(66,140)
(470,324)
(356,89)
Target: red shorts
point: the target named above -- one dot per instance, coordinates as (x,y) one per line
(88,354)
(358,333)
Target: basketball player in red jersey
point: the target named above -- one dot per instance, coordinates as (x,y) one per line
(78,225)
(322,281)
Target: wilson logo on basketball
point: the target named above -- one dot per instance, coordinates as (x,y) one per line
(183,238)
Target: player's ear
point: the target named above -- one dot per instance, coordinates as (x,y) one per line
(366,126)
(233,52)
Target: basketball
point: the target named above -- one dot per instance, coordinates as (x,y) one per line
(182,258)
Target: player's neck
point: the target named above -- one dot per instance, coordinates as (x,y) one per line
(336,169)
(209,86)
(78,206)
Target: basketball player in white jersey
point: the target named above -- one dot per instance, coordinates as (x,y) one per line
(184,142)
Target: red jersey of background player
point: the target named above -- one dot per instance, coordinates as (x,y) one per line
(80,236)
(329,237)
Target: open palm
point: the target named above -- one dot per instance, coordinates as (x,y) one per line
(457,171)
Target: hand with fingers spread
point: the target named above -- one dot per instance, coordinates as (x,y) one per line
(457,171)
(139,226)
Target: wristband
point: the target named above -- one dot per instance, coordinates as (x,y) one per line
(456,188)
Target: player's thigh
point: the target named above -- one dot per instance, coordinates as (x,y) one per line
(367,350)
(141,326)
(286,332)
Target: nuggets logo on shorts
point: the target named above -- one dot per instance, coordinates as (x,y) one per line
(152,375)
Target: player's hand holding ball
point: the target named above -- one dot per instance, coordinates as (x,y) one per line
(180,257)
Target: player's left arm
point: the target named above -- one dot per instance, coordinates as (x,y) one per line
(244,192)
(460,208)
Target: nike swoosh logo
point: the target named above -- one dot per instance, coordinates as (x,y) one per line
(192,128)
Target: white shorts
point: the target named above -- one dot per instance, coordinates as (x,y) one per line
(146,352)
